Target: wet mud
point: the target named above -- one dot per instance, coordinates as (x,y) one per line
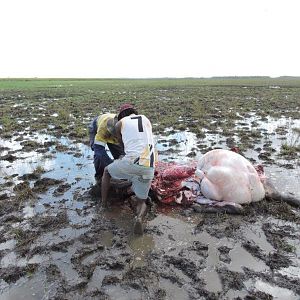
(57,243)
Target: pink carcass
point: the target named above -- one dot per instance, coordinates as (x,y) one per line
(171,183)
(219,178)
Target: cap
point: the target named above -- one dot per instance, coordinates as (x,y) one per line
(125,106)
(111,123)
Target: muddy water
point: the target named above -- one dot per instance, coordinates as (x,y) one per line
(85,252)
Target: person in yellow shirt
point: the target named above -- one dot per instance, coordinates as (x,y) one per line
(102,133)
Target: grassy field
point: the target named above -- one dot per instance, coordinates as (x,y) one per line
(200,105)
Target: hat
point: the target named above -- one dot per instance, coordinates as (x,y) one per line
(125,106)
(111,123)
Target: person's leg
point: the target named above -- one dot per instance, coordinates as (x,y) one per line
(141,209)
(141,186)
(101,160)
(95,190)
(97,165)
(105,187)
(118,170)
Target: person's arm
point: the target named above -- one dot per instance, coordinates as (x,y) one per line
(92,132)
(119,134)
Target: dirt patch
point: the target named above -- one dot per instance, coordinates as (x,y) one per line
(12,274)
(42,185)
(9,157)
(61,189)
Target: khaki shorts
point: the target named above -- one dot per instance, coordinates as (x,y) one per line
(140,176)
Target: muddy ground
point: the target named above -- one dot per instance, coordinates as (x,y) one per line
(56,243)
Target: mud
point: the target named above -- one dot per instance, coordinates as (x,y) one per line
(56,243)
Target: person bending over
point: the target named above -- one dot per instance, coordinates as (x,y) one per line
(134,132)
(102,132)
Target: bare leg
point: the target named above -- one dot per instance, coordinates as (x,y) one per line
(141,209)
(132,202)
(105,187)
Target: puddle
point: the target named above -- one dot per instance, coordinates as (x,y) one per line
(34,288)
(97,278)
(140,246)
(12,259)
(291,271)
(242,258)
(285,181)
(76,219)
(28,212)
(182,143)
(256,235)
(178,235)
(275,291)
(8,245)
(106,238)
(119,293)
(63,261)
(62,235)
(173,291)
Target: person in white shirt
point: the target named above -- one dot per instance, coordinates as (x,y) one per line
(134,132)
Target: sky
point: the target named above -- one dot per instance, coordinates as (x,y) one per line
(153,38)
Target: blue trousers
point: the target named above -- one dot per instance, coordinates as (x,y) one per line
(101,158)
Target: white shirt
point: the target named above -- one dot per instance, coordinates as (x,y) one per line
(138,141)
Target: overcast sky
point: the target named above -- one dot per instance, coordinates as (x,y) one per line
(153,38)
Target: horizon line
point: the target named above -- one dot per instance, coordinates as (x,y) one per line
(165,77)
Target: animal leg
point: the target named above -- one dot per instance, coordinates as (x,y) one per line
(225,208)
(210,190)
(273,194)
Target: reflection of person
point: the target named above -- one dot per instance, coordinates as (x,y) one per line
(134,132)
(102,133)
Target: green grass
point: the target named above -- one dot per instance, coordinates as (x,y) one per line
(211,104)
(288,150)
(35,83)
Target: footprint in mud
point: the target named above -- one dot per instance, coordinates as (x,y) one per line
(42,185)
(60,190)
(224,254)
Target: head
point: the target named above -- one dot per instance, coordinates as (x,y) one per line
(111,125)
(125,110)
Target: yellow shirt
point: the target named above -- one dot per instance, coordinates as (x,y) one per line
(102,136)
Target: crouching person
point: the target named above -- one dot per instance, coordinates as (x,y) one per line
(134,132)
(102,132)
